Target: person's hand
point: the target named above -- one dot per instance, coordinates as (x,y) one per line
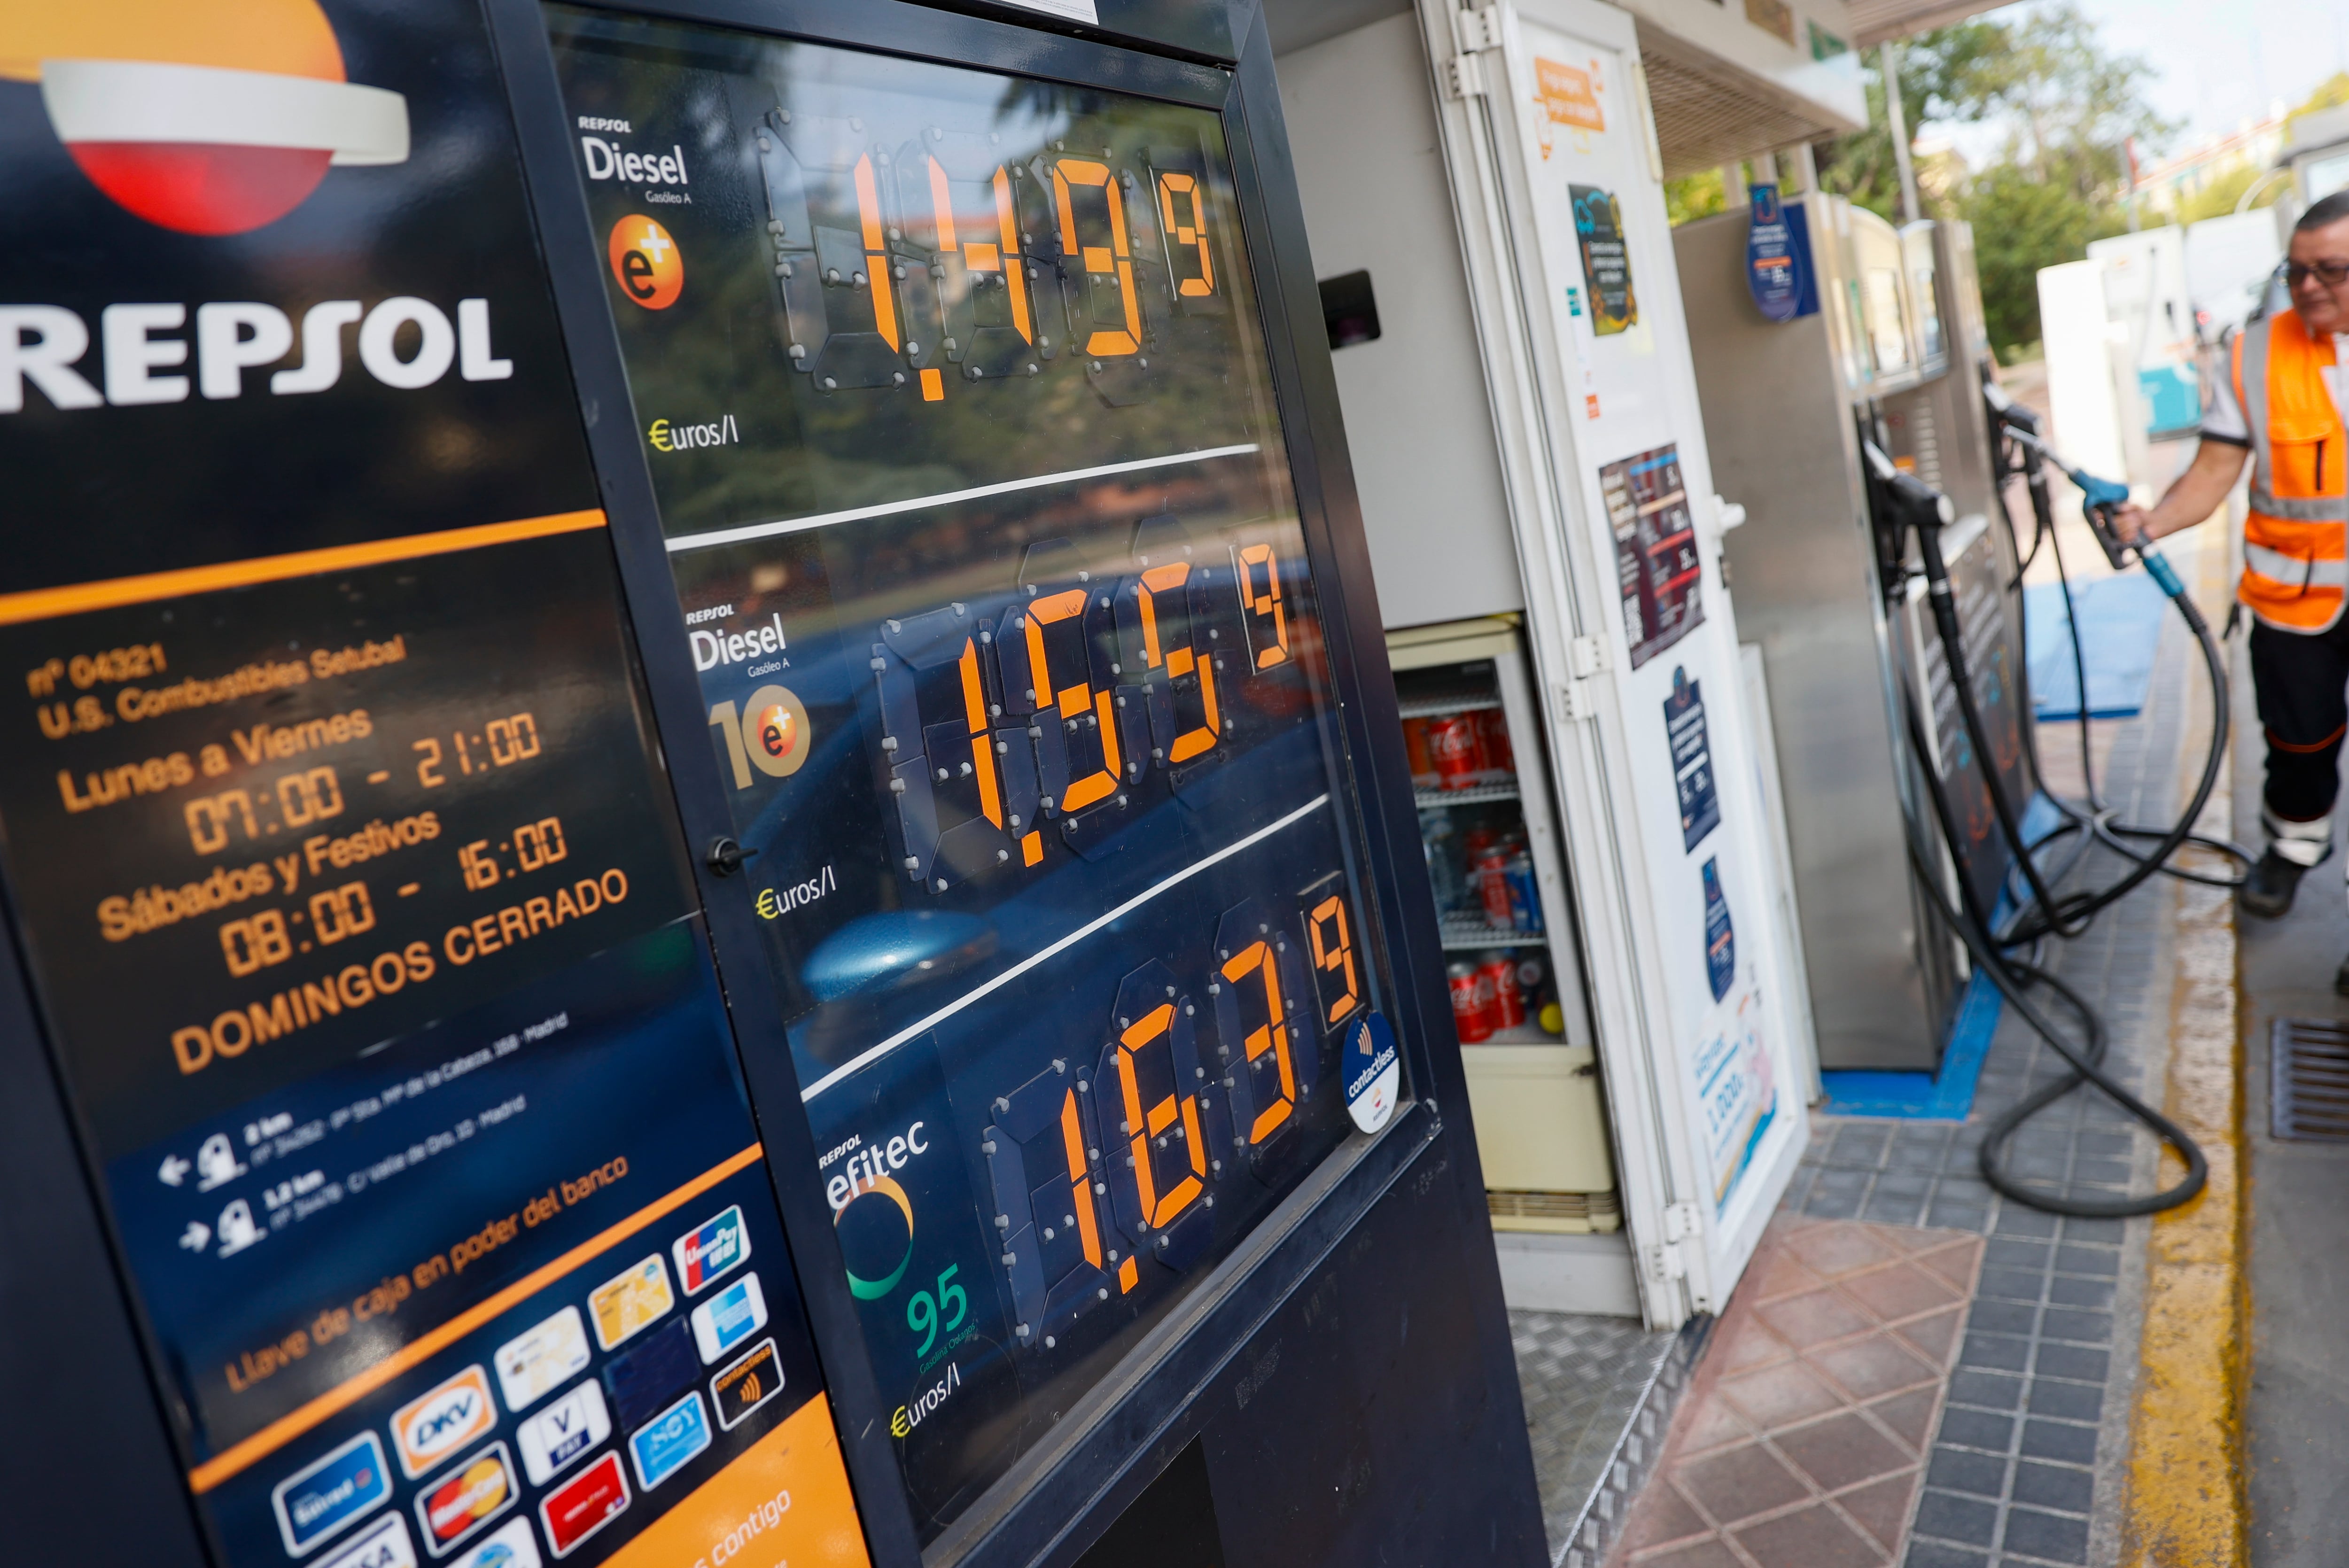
(2132,522)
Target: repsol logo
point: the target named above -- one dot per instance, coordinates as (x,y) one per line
(145,351)
(668,436)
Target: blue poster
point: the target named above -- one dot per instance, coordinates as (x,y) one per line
(1770,271)
(1720,938)
(1684,727)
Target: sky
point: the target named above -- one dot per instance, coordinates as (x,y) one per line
(2219,62)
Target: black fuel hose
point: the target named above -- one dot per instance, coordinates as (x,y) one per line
(2066,916)
(2085,1060)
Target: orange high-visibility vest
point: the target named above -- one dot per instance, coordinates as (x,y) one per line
(2297,538)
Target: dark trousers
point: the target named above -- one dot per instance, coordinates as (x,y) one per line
(2302,680)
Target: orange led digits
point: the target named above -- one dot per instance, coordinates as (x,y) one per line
(1072,1139)
(1073,700)
(1272,1036)
(1156,1029)
(1334,952)
(1084,173)
(1179,662)
(1193,234)
(982,750)
(876,255)
(1265,612)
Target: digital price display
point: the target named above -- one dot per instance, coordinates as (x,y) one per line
(956,404)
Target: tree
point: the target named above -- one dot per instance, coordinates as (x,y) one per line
(2069,110)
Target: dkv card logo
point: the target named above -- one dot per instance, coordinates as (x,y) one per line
(430,1429)
(204,117)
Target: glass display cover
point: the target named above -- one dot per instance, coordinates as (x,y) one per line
(956,405)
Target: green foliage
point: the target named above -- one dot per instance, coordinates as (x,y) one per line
(2218,198)
(2069,109)
(2332,90)
(1697,195)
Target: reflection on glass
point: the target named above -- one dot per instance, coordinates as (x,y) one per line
(956,405)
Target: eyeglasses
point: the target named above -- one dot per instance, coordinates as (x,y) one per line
(2332,275)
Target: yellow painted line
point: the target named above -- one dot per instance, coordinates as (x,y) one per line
(2185,1501)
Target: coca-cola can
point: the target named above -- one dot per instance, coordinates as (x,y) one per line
(1500,974)
(1422,761)
(1472,1003)
(1455,744)
(1492,732)
(1490,873)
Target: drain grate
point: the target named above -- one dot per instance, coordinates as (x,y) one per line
(2308,1080)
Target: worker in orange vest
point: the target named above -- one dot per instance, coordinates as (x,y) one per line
(2279,404)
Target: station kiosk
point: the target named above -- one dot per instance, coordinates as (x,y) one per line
(1484,194)
(707,852)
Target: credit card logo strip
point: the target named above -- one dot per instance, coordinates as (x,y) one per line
(579,1509)
(463,1501)
(661,1448)
(710,1250)
(564,1433)
(630,1302)
(729,1318)
(541,1358)
(746,1384)
(384,1543)
(329,1495)
(514,1546)
(430,1429)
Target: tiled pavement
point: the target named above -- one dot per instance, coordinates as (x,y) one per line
(1810,1423)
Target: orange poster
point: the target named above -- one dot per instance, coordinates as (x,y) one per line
(785,1500)
(1570,94)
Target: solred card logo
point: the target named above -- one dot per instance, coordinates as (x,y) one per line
(207,117)
(646,263)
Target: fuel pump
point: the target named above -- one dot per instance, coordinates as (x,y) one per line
(1902,506)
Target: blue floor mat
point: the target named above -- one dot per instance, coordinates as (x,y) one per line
(2120,628)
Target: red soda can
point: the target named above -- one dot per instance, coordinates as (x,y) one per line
(1456,746)
(1493,731)
(1500,972)
(1472,1006)
(1423,762)
(1490,872)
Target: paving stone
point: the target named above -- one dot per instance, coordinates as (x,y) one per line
(1952,1517)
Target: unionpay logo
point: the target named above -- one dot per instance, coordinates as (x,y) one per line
(644,260)
(207,117)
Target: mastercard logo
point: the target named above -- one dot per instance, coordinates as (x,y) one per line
(206,116)
(646,262)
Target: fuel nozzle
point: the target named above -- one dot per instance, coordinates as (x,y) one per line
(1912,502)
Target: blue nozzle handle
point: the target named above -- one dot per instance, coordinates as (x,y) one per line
(2157,567)
(2097,493)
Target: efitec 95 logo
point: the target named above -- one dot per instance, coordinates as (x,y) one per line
(207,117)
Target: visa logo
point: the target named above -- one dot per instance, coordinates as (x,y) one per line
(326,1497)
(383,1545)
(717,1246)
(427,1430)
(562,1433)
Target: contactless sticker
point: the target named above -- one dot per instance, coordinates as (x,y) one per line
(1373,1072)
